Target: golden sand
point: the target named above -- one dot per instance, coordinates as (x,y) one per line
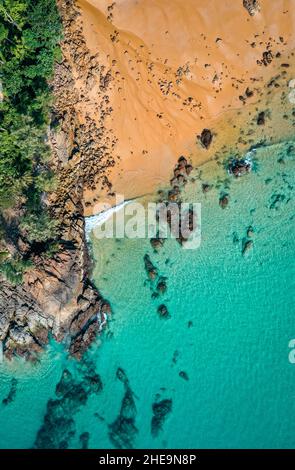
(176,67)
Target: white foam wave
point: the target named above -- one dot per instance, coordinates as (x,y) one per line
(97,220)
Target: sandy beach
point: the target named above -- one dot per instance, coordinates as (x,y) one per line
(173,68)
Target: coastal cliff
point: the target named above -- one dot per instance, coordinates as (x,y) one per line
(56,297)
(128,100)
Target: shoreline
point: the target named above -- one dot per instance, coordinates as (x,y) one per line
(152,127)
(119,134)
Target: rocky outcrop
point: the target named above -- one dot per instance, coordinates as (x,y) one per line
(56,296)
(71,394)
(82,146)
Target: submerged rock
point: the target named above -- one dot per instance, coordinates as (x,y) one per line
(173,194)
(84,440)
(162,286)
(160,411)
(157,243)
(163,311)
(11,394)
(150,268)
(121,375)
(122,431)
(65,383)
(223,201)
(250,231)
(183,375)
(72,393)
(239,167)
(247,245)
(206,187)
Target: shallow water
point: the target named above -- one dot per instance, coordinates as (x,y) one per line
(232,317)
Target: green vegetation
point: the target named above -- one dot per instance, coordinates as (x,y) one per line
(30,31)
(39,227)
(14,268)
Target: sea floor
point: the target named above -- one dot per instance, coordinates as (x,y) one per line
(216,374)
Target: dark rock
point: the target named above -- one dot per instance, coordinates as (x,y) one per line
(84,440)
(161,410)
(162,286)
(121,375)
(65,384)
(276,200)
(187,226)
(223,201)
(239,167)
(235,238)
(150,268)
(267,58)
(182,162)
(247,245)
(163,311)
(206,138)
(59,427)
(122,431)
(183,375)
(11,394)
(206,187)
(188,169)
(181,180)
(249,93)
(173,194)
(157,243)
(177,172)
(175,357)
(261,119)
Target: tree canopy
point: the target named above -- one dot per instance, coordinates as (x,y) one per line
(30,31)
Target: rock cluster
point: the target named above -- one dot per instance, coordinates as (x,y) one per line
(72,394)
(239,167)
(181,171)
(122,431)
(89,145)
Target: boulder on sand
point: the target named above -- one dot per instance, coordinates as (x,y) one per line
(206,138)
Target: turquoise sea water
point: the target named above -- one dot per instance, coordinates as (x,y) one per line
(232,317)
